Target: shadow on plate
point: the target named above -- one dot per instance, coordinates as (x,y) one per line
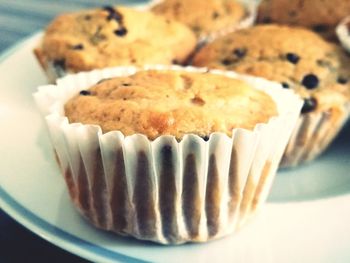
(78,231)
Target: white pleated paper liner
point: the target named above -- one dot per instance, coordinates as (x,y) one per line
(166,190)
(343,33)
(312,135)
(247,21)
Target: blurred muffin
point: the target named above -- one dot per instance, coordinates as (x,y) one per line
(300,60)
(172,156)
(320,16)
(207,18)
(112,36)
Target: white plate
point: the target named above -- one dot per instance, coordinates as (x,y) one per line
(306,219)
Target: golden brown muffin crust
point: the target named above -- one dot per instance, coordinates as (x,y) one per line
(114,36)
(321,16)
(203,17)
(156,103)
(295,57)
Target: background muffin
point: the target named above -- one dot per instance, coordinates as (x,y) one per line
(205,18)
(202,174)
(301,60)
(320,16)
(111,36)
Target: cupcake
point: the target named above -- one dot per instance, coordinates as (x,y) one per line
(168,154)
(300,60)
(111,36)
(320,16)
(210,18)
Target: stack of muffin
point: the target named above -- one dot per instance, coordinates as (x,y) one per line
(179,153)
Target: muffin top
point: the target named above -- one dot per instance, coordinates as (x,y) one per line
(321,16)
(298,58)
(156,103)
(203,17)
(114,36)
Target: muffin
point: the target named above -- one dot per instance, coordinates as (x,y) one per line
(168,154)
(207,18)
(300,60)
(320,16)
(112,36)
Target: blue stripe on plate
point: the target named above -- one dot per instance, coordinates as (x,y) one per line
(18,211)
(59,233)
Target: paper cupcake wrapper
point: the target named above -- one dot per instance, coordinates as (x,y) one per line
(342,31)
(247,21)
(167,191)
(312,135)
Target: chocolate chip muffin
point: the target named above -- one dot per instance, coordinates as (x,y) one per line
(112,36)
(205,18)
(169,154)
(300,60)
(320,16)
(157,103)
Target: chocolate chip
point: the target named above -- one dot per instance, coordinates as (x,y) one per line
(226,62)
(310,104)
(85,92)
(78,47)
(126,84)
(175,61)
(121,31)
(215,15)
(87,17)
(324,63)
(292,58)
(310,81)
(320,28)
(285,85)
(240,52)
(113,14)
(108,8)
(198,101)
(342,80)
(205,138)
(196,28)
